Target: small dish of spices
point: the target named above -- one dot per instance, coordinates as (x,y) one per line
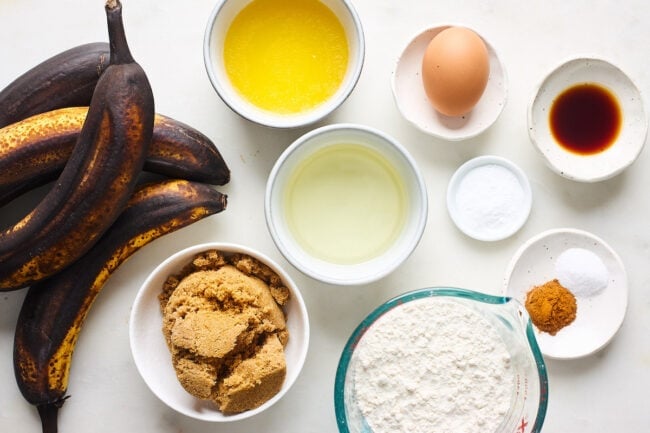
(574,288)
(587,120)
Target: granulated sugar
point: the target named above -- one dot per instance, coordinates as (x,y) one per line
(433,365)
(582,272)
(490,199)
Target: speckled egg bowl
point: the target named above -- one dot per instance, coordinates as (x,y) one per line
(414,106)
(529,396)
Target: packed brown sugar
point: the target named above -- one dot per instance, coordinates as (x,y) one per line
(226,330)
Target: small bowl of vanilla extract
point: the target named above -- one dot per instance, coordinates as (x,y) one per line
(587,119)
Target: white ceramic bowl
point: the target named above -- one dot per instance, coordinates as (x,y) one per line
(414,105)
(220,19)
(500,223)
(151,354)
(366,271)
(598,317)
(631,138)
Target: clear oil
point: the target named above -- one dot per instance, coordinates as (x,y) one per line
(345,204)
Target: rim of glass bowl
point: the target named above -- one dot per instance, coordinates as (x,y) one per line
(357,334)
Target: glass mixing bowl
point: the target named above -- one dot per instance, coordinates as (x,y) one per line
(507,316)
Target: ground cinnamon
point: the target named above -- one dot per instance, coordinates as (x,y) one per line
(551,306)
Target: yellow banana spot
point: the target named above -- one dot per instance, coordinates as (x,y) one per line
(35,128)
(27,368)
(59,366)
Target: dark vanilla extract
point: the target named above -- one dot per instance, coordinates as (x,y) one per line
(585,119)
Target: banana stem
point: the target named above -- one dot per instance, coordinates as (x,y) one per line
(49,414)
(120,53)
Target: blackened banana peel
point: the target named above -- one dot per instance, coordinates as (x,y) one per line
(67,79)
(97,180)
(34,151)
(54,310)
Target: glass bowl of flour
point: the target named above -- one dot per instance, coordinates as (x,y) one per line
(442,360)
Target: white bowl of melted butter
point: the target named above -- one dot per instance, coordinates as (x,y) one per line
(346,204)
(282,63)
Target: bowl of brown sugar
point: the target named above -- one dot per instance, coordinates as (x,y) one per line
(219,332)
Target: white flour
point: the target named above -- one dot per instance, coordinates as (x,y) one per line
(433,366)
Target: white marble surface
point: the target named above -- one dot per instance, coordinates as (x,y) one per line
(604,393)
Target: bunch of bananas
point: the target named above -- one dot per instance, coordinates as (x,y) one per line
(86,119)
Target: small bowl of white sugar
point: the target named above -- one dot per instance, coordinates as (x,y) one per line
(489,198)
(442,359)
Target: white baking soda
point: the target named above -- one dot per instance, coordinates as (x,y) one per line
(433,365)
(490,199)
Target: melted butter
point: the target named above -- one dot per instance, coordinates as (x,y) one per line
(286,56)
(345,204)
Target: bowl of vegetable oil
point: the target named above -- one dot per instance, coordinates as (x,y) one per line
(346,204)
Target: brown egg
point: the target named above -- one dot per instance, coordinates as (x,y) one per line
(455,70)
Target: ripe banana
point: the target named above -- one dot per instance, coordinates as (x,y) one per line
(54,310)
(35,150)
(64,80)
(97,180)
